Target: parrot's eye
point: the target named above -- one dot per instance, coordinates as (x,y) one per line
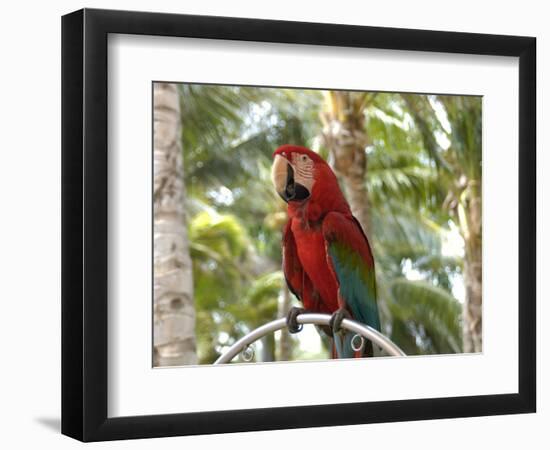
(304,158)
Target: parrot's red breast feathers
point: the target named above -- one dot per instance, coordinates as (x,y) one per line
(296,278)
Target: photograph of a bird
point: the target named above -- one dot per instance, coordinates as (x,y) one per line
(327,259)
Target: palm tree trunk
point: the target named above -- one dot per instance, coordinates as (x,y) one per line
(465,196)
(344,135)
(174,311)
(469,214)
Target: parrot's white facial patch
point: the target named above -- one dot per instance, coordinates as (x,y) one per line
(292,176)
(304,168)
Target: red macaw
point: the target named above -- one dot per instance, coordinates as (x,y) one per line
(327,259)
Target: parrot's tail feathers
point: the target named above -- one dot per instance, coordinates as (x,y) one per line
(342,347)
(338,347)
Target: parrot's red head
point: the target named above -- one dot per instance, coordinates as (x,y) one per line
(300,175)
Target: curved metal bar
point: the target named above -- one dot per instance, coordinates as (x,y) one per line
(314,319)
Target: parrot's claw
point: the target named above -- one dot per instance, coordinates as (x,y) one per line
(335,323)
(291,322)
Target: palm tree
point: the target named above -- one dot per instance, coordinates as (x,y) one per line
(174,312)
(421,316)
(344,134)
(459,167)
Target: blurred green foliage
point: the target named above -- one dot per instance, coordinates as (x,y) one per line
(417,142)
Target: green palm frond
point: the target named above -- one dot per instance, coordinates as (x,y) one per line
(389,178)
(403,232)
(205,109)
(464,114)
(427,126)
(222,234)
(219,248)
(260,302)
(398,166)
(429,314)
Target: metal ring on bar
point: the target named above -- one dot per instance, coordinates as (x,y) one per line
(314,319)
(357,347)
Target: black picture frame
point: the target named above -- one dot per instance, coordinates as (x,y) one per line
(84,224)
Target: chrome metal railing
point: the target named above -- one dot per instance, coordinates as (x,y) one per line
(360,329)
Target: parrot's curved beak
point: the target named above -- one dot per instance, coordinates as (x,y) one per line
(282,176)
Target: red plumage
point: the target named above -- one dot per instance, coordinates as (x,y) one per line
(308,268)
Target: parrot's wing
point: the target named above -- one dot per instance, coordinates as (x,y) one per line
(350,258)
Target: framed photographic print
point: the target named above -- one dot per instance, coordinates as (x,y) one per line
(254,209)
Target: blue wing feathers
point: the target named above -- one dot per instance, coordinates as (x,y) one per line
(350,256)
(357,284)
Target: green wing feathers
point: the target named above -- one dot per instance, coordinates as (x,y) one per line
(351,260)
